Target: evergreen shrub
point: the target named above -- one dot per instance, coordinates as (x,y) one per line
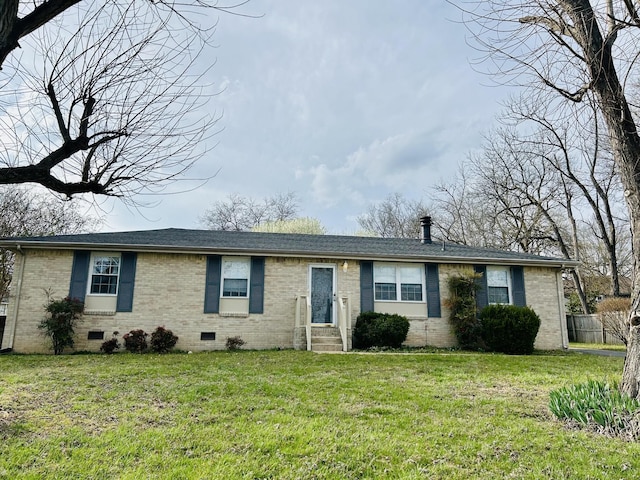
(509,328)
(374,329)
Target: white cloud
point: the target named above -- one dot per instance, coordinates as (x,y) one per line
(403,162)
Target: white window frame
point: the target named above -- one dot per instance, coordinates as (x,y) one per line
(94,257)
(398,281)
(227,270)
(509,287)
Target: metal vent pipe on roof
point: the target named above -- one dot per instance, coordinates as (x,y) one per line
(425,229)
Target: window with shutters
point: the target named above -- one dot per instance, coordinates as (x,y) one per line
(403,283)
(104,274)
(498,285)
(235,276)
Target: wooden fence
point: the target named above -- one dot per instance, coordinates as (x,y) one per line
(589,329)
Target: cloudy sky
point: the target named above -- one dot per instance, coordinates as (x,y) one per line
(340,102)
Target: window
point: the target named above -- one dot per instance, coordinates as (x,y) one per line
(105,270)
(498,285)
(235,277)
(391,279)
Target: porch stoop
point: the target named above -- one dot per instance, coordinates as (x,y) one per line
(325,339)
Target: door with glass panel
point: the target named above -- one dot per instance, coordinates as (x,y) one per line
(323,294)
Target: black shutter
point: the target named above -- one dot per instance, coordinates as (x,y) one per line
(79,274)
(366,286)
(256,288)
(127,281)
(433,290)
(482,295)
(517,283)
(212,284)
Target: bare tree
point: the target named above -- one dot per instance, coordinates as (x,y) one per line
(25,213)
(569,48)
(103,97)
(462,215)
(541,188)
(394,217)
(245,213)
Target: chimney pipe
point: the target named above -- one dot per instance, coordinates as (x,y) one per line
(425,227)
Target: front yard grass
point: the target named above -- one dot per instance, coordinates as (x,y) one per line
(299,415)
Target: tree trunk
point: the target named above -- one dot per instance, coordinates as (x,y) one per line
(582,296)
(631,373)
(625,143)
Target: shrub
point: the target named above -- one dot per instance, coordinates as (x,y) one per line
(62,317)
(380,330)
(135,341)
(596,403)
(163,340)
(234,343)
(509,329)
(613,313)
(111,345)
(463,312)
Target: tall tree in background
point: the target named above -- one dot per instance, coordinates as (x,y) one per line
(24,213)
(395,217)
(245,213)
(304,225)
(562,50)
(102,97)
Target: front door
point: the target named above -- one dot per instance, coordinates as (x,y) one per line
(322,286)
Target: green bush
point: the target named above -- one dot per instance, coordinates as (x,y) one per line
(62,317)
(135,341)
(380,330)
(463,312)
(509,329)
(163,340)
(595,403)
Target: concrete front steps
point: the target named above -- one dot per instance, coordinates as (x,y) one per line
(325,339)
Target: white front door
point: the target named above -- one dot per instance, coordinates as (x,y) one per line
(322,286)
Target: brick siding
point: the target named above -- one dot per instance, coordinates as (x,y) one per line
(169,292)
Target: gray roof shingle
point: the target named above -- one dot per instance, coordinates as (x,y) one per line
(281,244)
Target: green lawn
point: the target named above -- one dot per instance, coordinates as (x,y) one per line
(298,415)
(598,346)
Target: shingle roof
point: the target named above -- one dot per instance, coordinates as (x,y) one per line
(281,244)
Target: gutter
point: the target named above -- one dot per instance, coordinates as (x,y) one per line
(564,332)
(16,307)
(547,262)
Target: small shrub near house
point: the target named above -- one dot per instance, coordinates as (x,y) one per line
(234,343)
(509,328)
(463,312)
(111,345)
(380,330)
(163,340)
(135,341)
(62,317)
